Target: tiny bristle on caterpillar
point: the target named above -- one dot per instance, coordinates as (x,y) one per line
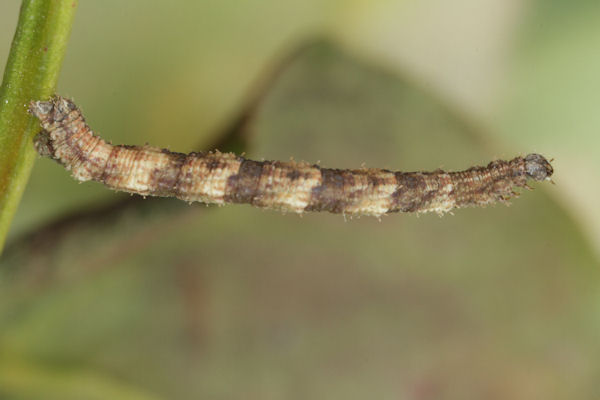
(214,177)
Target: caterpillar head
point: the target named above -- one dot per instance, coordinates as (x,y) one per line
(538,168)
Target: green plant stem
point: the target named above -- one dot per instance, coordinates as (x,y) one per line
(31,73)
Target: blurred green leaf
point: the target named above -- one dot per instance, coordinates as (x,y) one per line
(238,302)
(20,380)
(551,100)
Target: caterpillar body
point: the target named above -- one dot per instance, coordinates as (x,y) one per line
(215,177)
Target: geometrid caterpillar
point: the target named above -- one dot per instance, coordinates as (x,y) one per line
(214,177)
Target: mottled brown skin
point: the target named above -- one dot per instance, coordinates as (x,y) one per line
(215,177)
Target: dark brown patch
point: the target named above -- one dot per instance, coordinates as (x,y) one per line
(214,163)
(294,175)
(329,196)
(243,187)
(411,187)
(44,145)
(375,180)
(165,180)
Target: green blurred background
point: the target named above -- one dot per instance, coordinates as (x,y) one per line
(106,297)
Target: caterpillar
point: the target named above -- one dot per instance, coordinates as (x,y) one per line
(215,177)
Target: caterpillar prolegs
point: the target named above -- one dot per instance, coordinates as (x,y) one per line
(215,177)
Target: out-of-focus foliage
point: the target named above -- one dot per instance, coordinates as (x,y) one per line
(165,300)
